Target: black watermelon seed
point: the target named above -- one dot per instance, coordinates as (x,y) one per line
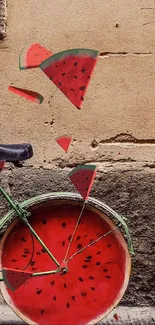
(83,88)
(78,237)
(108,276)
(83,70)
(64,62)
(42,311)
(82,98)
(38,253)
(83,294)
(63,224)
(39,291)
(86,188)
(33,263)
(44,221)
(63,243)
(88,77)
(98,263)
(13,260)
(52,283)
(67,305)
(63,74)
(75,77)
(69,238)
(109,245)
(91,240)
(59,83)
(85,236)
(84,266)
(91,277)
(73,297)
(87,261)
(23,239)
(98,253)
(79,246)
(43,250)
(105,270)
(80,279)
(89,257)
(92,288)
(51,78)
(65,286)
(24,255)
(75,64)
(54,298)
(72,89)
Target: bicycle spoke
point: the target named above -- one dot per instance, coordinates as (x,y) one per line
(74,231)
(92,243)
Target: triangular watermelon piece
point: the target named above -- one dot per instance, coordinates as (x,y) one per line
(2,164)
(28,94)
(116,316)
(15,278)
(32,55)
(64,142)
(82,177)
(71,71)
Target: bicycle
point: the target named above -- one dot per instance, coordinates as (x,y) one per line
(74,259)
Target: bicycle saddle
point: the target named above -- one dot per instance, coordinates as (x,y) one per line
(15,152)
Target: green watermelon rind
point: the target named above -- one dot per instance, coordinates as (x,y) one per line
(81,168)
(22,56)
(4,273)
(65,54)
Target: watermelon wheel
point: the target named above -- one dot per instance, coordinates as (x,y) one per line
(98,273)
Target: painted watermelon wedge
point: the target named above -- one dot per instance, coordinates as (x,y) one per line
(116,316)
(15,278)
(32,55)
(28,94)
(71,71)
(82,177)
(2,164)
(64,142)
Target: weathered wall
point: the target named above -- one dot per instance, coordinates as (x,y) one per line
(116,122)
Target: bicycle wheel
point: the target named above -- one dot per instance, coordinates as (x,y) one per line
(97,275)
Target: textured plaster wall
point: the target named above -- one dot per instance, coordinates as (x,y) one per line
(115,127)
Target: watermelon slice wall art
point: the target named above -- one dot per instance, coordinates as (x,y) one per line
(82,177)
(32,55)
(64,142)
(2,164)
(15,278)
(28,94)
(71,71)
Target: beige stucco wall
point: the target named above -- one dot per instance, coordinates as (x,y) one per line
(120,98)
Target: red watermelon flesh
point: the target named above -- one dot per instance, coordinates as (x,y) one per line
(32,56)
(64,142)
(71,72)
(15,278)
(28,94)
(116,316)
(96,279)
(2,164)
(82,177)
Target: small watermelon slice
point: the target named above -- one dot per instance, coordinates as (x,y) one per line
(32,55)
(15,278)
(2,164)
(82,177)
(116,316)
(71,71)
(28,94)
(64,142)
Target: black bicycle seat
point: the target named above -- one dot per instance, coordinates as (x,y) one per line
(15,152)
